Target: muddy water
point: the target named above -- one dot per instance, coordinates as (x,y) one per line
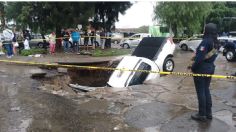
(93,78)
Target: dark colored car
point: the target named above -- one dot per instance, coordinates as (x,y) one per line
(230,51)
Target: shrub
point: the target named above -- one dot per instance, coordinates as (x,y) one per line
(33,51)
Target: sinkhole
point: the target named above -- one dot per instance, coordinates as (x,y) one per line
(85,77)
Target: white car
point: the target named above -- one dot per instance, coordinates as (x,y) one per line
(133,40)
(191,43)
(153,54)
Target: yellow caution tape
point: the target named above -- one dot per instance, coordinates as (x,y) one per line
(101,37)
(120,69)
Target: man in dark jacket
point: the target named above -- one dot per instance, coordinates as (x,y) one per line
(204,64)
(65,37)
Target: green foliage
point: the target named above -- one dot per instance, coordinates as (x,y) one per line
(183,15)
(41,16)
(2,14)
(33,51)
(110,52)
(142,29)
(107,13)
(221,10)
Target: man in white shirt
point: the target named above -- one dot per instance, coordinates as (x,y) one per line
(8,36)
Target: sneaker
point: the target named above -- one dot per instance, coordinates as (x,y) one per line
(8,56)
(197,117)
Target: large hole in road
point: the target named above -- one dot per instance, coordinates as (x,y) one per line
(90,77)
(85,77)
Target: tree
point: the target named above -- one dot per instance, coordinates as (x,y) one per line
(49,16)
(143,29)
(220,11)
(107,13)
(2,14)
(183,15)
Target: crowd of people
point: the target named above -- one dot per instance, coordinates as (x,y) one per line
(11,39)
(13,42)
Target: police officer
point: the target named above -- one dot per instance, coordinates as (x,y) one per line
(204,64)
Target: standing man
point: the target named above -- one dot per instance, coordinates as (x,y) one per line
(204,64)
(27,39)
(8,36)
(93,36)
(65,37)
(102,39)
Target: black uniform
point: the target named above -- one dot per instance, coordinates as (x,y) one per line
(202,65)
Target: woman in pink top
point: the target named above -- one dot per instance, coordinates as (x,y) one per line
(52,42)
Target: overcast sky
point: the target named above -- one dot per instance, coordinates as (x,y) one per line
(139,14)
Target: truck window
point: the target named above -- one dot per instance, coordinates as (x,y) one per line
(139,77)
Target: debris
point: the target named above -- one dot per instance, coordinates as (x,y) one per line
(60,92)
(15,109)
(234,116)
(62,70)
(37,73)
(118,127)
(36,55)
(78,87)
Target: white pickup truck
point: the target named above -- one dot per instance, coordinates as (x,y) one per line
(153,54)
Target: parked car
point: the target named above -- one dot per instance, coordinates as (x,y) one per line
(116,38)
(153,53)
(191,43)
(229,49)
(133,40)
(37,41)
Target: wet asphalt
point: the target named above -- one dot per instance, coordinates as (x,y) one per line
(161,105)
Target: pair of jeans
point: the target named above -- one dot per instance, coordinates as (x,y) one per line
(66,45)
(9,49)
(75,46)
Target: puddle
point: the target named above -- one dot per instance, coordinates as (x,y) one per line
(151,114)
(184,123)
(227,117)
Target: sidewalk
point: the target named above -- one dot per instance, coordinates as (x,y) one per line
(69,58)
